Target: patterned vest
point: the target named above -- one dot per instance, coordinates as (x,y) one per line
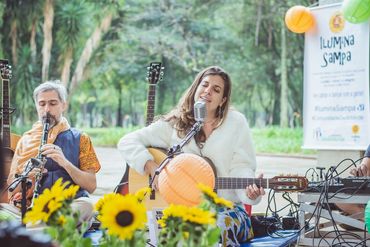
(69,142)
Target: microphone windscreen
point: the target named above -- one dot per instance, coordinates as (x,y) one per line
(200,111)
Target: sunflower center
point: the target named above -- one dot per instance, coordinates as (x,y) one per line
(124,218)
(45,209)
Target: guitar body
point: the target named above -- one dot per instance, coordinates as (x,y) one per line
(9,141)
(8,153)
(132,181)
(14,139)
(137,181)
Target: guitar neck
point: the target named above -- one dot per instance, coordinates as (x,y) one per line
(6,113)
(240,183)
(151,104)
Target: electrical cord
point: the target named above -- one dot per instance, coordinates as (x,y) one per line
(333,176)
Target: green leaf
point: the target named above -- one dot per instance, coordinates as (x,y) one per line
(213,235)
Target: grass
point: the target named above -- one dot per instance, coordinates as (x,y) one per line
(107,137)
(273,140)
(279,140)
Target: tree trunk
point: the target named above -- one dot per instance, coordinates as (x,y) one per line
(119,110)
(258,22)
(275,113)
(284,82)
(33,41)
(91,44)
(48,38)
(13,35)
(66,71)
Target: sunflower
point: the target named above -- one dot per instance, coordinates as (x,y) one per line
(70,193)
(187,214)
(171,212)
(123,216)
(107,197)
(140,194)
(61,220)
(44,206)
(61,191)
(213,197)
(58,187)
(200,216)
(49,202)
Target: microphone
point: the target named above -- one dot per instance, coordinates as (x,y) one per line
(200,111)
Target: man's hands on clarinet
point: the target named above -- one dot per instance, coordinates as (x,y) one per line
(55,153)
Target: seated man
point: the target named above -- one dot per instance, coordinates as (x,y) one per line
(362,170)
(69,153)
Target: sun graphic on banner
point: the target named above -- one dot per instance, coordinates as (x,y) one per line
(355,129)
(336,22)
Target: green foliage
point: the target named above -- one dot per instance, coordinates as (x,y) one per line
(19,130)
(107,136)
(241,36)
(273,139)
(279,140)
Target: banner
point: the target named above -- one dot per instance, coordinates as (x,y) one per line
(336,82)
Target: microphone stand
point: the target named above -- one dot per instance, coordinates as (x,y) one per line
(174,150)
(178,147)
(25,182)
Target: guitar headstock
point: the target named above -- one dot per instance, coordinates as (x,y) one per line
(155,72)
(288,183)
(5,69)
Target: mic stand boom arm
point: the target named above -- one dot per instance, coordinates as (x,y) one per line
(171,153)
(178,147)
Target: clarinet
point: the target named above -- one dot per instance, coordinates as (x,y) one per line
(40,161)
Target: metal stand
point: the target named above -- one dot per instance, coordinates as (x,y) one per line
(25,183)
(174,150)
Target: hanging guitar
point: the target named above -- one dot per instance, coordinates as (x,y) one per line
(128,182)
(9,141)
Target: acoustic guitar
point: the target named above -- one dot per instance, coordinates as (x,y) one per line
(9,140)
(128,182)
(132,181)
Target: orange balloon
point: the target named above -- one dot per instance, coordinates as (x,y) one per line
(299,19)
(179,179)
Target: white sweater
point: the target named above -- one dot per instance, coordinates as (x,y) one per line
(229,147)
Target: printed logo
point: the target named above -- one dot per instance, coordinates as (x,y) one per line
(336,22)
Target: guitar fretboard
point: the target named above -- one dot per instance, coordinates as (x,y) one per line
(151,104)
(240,183)
(6,113)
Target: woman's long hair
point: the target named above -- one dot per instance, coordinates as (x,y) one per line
(182,117)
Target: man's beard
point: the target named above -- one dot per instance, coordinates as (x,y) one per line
(52,120)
